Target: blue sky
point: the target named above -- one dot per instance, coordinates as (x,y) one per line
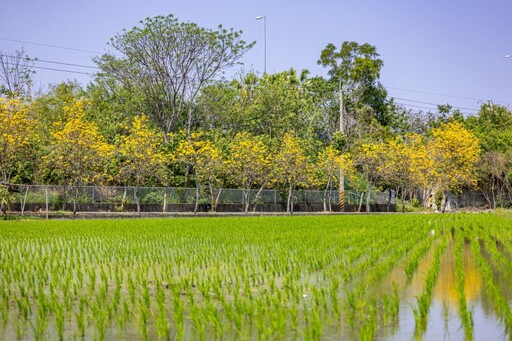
(436,51)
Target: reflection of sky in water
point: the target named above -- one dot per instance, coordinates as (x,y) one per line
(443,320)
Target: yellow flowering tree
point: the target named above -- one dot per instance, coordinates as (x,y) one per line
(454,151)
(18,139)
(368,161)
(421,166)
(397,166)
(328,165)
(141,154)
(77,153)
(291,166)
(249,165)
(206,162)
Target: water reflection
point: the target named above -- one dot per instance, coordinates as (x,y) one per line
(444,319)
(447,284)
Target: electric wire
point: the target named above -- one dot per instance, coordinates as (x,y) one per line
(429,103)
(53,69)
(49,45)
(389,87)
(37,60)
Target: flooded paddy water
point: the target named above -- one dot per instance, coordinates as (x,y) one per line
(397,277)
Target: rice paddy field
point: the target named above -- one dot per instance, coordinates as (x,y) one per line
(384,277)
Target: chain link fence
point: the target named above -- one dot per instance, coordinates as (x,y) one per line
(161,199)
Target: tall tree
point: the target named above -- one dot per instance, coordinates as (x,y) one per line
(356,69)
(168,62)
(16,73)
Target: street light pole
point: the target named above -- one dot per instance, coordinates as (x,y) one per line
(264,17)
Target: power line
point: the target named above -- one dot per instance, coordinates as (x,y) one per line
(444,95)
(429,103)
(53,46)
(35,60)
(53,69)
(415,106)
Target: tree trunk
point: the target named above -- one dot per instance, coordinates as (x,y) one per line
(327,195)
(445,203)
(164,208)
(217,198)
(289,207)
(389,199)
(247,199)
(197,199)
(137,198)
(75,200)
(360,202)
(368,208)
(24,200)
(64,198)
(403,200)
(257,196)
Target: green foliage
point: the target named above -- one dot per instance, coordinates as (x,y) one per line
(150,61)
(5,198)
(339,141)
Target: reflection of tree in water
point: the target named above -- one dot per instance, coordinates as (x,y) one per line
(501,277)
(446,288)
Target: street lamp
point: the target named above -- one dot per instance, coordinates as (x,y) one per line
(264,17)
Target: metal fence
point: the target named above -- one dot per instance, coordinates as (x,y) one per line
(61,197)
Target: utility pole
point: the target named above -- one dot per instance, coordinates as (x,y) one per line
(342,174)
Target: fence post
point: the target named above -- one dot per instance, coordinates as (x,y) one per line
(46,196)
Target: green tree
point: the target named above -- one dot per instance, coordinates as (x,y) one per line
(111,105)
(168,62)
(5,199)
(493,127)
(494,177)
(356,67)
(271,105)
